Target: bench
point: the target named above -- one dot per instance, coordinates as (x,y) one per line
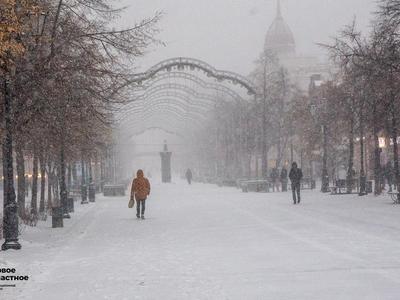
(255,186)
(111,190)
(227,182)
(340,184)
(395,197)
(308,183)
(240,181)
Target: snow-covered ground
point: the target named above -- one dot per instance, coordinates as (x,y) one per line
(205,242)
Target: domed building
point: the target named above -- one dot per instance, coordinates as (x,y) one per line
(281,41)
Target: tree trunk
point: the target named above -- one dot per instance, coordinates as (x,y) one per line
(83,182)
(34,183)
(69,178)
(350,170)
(395,148)
(10,208)
(63,186)
(362,156)
(49,185)
(377,155)
(42,183)
(21,177)
(75,182)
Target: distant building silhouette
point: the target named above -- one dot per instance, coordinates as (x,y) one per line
(281,41)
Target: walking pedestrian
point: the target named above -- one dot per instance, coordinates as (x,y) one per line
(189,176)
(140,190)
(295,176)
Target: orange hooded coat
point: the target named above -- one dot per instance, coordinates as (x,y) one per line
(140,187)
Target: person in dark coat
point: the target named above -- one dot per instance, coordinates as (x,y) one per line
(189,176)
(284,179)
(295,176)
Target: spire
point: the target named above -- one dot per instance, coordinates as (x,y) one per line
(278,9)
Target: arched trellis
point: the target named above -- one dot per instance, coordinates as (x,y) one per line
(193,102)
(171,86)
(167,108)
(195,79)
(170,90)
(164,110)
(193,64)
(173,98)
(165,123)
(172,132)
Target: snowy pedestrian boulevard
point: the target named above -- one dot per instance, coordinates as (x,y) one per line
(206,242)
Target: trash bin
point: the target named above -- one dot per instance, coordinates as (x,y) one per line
(57,217)
(70,202)
(368,187)
(92,193)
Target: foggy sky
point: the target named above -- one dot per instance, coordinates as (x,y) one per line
(229,34)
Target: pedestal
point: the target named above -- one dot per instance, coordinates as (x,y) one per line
(166,166)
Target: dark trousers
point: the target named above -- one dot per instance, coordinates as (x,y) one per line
(296,190)
(140,203)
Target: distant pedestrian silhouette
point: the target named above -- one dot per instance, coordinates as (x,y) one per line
(189,176)
(295,176)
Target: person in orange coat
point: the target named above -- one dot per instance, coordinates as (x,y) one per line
(140,190)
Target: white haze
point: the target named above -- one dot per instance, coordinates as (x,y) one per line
(229,34)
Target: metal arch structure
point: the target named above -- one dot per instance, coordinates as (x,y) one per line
(157,128)
(164,123)
(174,87)
(185,62)
(195,79)
(187,105)
(190,116)
(165,110)
(174,99)
(169,90)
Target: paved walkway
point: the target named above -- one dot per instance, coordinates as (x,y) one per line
(205,242)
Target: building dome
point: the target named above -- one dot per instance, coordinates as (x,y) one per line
(280,39)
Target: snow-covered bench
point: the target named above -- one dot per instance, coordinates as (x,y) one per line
(395,197)
(307,183)
(340,184)
(255,186)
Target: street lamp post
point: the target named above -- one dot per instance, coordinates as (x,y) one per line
(92,191)
(325,176)
(83,183)
(321,105)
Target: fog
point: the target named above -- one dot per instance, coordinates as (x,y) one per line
(230,34)
(200,149)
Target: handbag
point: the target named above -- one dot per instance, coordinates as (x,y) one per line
(131,203)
